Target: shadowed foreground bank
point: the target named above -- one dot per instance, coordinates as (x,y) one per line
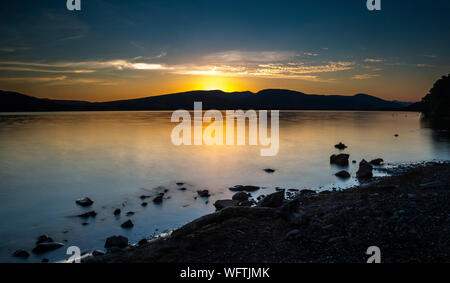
(407,216)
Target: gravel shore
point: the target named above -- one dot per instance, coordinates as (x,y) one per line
(406,215)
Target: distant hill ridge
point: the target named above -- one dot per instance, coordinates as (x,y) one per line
(270,99)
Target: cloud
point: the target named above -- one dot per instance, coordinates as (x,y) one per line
(373,60)
(35,79)
(13,49)
(230,67)
(423,65)
(430,56)
(250,56)
(310,54)
(365,76)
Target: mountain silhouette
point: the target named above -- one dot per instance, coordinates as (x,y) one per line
(270,99)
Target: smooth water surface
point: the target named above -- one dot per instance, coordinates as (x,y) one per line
(47,160)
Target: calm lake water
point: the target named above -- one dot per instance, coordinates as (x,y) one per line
(47,160)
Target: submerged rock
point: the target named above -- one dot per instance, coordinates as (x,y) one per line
(88,214)
(241,196)
(142,242)
(365,170)
(343,174)
(159,198)
(21,253)
(251,188)
(340,159)
(127,224)
(377,162)
(272,200)
(237,188)
(340,146)
(222,204)
(116,242)
(46,247)
(44,239)
(84,201)
(98,253)
(203,193)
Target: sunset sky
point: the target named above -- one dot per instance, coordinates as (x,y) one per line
(115,49)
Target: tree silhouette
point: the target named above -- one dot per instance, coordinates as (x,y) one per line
(436,104)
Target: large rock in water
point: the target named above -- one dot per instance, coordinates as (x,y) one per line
(377,162)
(46,247)
(365,170)
(224,203)
(273,200)
(241,196)
(84,201)
(343,174)
(116,242)
(340,159)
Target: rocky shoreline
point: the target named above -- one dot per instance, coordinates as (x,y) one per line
(406,215)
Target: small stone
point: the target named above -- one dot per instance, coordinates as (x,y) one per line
(84,202)
(273,200)
(343,174)
(237,188)
(144,204)
(340,146)
(44,239)
(46,247)
(117,211)
(144,197)
(306,192)
(127,224)
(241,196)
(221,204)
(130,213)
(159,198)
(98,253)
(142,242)
(182,189)
(88,214)
(180,184)
(251,188)
(203,193)
(377,162)
(269,171)
(21,253)
(116,241)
